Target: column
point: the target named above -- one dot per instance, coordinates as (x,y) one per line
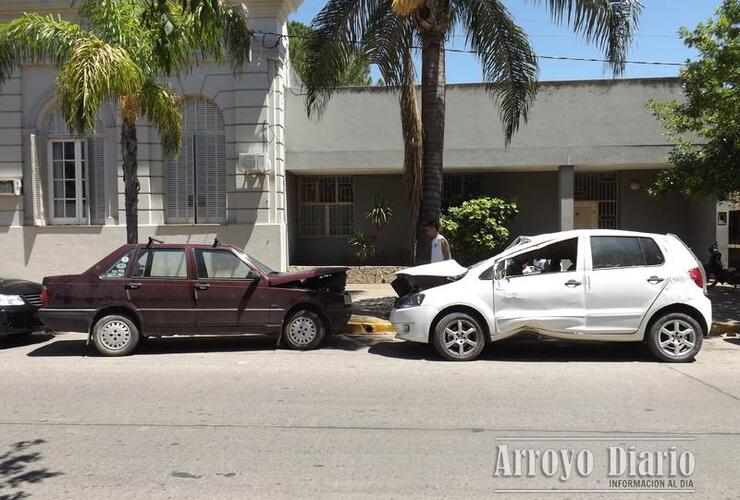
(566,176)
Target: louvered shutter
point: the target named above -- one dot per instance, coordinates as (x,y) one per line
(96,179)
(196,177)
(38,178)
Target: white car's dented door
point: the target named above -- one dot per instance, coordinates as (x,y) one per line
(551,298)
(624,276)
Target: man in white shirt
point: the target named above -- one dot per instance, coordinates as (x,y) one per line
(440,247)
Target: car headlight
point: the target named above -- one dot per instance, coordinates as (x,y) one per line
(11,300)
(413,300)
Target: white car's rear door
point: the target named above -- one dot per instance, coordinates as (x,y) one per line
(624,276)
(551,300)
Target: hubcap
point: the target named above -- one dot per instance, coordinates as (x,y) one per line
(302,330)
(115,335)
(676,338)
(461,337)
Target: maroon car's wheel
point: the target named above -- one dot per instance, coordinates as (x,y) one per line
(304,330)
(115,335)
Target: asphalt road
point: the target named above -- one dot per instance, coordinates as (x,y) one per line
(361,418)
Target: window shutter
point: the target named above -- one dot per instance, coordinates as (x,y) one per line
(203,149)
(96,179)
(38,178)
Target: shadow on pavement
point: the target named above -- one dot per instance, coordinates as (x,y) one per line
(18,467)
(168,345)
(180,345)
(13,341)
(527,350)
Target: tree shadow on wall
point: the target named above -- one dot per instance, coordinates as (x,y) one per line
(19,466)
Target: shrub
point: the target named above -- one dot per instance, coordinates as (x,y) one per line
(476,229)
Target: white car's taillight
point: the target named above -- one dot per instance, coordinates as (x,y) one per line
(44,297)
(697,277)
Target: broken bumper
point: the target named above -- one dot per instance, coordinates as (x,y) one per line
(413,323)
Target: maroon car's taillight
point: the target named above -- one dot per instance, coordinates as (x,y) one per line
(44,297)
(696,275)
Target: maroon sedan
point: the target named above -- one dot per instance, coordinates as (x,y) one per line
(154,290)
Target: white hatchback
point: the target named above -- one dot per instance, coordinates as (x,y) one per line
(602,285)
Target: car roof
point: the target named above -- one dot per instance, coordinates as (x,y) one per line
(529,241)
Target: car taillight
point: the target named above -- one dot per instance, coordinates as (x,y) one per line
(44,297)
(697,276)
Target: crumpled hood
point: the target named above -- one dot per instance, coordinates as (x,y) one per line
(416,279)
(18,287)
(333,278)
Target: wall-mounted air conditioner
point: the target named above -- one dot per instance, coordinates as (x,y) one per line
(10,187)
(253,164)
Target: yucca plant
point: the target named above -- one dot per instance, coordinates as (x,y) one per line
(364,245)
(381,212)
(124,51)
(388,31)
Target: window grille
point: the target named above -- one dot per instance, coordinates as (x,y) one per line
(602,187)
(325,206)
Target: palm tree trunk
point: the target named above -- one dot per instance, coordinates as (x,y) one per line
(433,127)
(129,145)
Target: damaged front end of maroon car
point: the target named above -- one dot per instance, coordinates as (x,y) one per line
(329,279)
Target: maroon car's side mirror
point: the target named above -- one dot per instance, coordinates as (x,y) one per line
(253,276)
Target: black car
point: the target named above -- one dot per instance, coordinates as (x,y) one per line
(19,304)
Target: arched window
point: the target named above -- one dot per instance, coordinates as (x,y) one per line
(76,174)
(196,177)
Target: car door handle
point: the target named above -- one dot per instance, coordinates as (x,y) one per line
(572,283)
(133,286)
(655,280)
(202,286)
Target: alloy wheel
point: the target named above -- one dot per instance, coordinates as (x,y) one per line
(460,337)
(115,335)
(676,338)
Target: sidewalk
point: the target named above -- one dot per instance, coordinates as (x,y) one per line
(372,306)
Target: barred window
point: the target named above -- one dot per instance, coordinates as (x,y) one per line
(325,206)
(460,187)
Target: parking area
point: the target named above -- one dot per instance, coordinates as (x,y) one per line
(363,416)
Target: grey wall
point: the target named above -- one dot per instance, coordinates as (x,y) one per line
(598,123)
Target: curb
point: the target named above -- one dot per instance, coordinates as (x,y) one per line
(723,328)
(369,325)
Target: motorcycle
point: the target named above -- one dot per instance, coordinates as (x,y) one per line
(717,273)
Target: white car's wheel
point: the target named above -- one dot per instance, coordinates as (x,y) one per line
(459,337)
(675,338)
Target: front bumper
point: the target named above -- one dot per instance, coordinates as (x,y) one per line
(19,319)
(338,317)
(413,323)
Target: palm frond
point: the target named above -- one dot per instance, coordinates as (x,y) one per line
(94,72)
(189,29)
(387,39)
(608,24)
(338,29)
(35,38)
(161,106)
(509,62)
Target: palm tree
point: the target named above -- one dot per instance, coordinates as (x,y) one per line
(388,31)
(124,51)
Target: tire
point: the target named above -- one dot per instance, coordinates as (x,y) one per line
(304,330)
(115,335)
(459,337)
(675,338)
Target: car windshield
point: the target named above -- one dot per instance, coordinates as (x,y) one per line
(264,268)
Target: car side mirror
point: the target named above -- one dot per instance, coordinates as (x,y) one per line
(253,275)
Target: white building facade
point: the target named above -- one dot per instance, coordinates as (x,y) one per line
(69,210)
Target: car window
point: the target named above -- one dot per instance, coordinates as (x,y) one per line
(220,264)
(118,269)
(161,263)
(558,257)
(608,252)
(487,274)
